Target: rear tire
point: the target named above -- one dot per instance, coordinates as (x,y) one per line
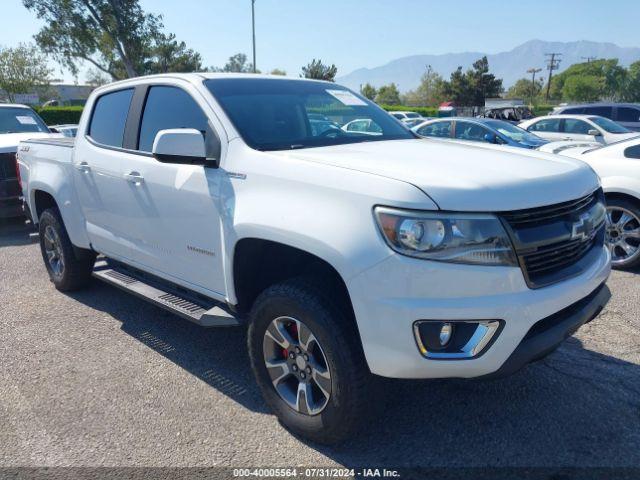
(341,404)
(69,267)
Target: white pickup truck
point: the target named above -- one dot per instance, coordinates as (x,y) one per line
(346,254)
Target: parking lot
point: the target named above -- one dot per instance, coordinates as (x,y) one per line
(100,378)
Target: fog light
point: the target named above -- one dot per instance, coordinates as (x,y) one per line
(459,339)
(445,334)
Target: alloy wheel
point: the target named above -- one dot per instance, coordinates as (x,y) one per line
(53,250)
(297,365)
(623,235)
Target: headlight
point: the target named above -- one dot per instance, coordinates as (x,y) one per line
(477,239)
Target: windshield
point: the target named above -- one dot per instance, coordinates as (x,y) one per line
(514,133)
(609,125)
(275,114)
(20,120)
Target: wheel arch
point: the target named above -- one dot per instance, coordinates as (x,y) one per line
(41,201)
(625,195)
(259,263)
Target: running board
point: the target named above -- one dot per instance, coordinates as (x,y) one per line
(206,313)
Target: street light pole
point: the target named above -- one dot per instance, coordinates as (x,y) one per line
(253,28)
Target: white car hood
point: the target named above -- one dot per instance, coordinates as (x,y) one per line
(564,146)
(9,141)
(618,137)
(464,177)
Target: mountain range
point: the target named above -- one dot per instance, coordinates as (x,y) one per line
(405,72)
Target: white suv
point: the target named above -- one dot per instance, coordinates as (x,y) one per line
(345,254)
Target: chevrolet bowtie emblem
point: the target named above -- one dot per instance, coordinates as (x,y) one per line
(583,228)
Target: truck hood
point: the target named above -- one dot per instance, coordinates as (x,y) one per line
(465,177)
(9,141)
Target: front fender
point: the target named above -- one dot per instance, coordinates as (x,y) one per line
(622,184)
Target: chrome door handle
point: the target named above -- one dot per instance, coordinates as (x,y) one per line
(83,167)
(134,177)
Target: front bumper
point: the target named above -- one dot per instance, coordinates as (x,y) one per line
(389,297)
(547,334)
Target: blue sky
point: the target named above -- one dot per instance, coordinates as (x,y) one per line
(366,33)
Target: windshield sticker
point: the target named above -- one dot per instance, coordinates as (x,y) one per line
(346,97)
(26,120)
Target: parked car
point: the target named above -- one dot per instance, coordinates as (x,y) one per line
(577,127)
(17,122)
(346,254)
(512,114)
(404,115)
(618,166)
(412,122)
(625,114)
(364,126)
(479,130)
(67,130)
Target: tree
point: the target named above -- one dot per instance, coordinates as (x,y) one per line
(587,88)
(388,95)
(472,87)
(525,89)
(22,70)
(605,74)
(277,71)
(368,91)
(238,63)
(96,78)
(115,36)
(631,90)
(169,55)
(317,70)
(430,92)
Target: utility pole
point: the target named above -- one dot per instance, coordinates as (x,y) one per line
(553,63)
(589,59)
(253,28)
(533,72)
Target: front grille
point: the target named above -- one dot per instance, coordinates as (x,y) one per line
(535,216)
(7,166)
(554,242)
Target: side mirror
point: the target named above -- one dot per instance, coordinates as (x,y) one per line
(595,133)
(179,145)
(54,130)
(489,138)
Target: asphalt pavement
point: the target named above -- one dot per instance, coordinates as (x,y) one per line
(100,378)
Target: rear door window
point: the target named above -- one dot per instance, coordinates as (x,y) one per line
(606,112)
(627,114)
(110,117)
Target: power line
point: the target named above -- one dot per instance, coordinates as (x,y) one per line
(553,63)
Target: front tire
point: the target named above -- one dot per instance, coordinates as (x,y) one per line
(69,267)
(623,232)
(307,360)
